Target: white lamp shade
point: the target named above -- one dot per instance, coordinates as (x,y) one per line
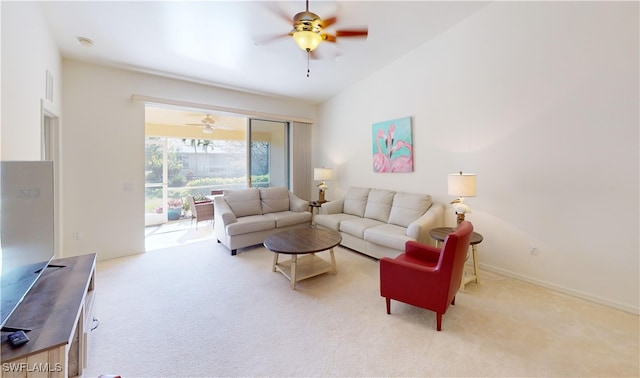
(462,184)
(321,174)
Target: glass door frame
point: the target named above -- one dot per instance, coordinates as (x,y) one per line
(164,184)
(255,126)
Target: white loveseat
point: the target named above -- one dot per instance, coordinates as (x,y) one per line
(247,217)
(378,222)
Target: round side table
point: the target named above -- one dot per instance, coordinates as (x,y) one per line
(314,207)
(440,233)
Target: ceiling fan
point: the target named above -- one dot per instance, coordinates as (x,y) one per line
(309,31)
(207,124)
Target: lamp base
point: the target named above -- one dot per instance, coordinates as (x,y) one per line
(321,196)
(460,217)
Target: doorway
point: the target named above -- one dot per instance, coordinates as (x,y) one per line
(50,151)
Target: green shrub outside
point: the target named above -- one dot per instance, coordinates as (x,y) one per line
(154,195)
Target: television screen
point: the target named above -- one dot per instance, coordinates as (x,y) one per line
(26,229)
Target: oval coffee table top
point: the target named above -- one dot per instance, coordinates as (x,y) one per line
(302,240)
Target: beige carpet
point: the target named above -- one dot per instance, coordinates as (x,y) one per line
(194,310)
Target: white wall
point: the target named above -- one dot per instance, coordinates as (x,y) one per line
(28,51)
(540,100)
(103,149)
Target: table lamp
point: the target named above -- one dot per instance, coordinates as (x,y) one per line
(322,174)
(461,185)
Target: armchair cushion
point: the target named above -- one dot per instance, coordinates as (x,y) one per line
(423,252)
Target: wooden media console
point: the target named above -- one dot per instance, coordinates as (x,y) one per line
(58,311)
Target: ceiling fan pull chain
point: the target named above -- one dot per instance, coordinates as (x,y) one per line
(308,54)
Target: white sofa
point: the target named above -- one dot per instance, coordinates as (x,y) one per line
(379,222)
(247,217)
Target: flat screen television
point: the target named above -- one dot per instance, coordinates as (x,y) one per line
(26,230)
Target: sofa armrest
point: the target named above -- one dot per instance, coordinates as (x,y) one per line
(419,228)
(332,207)
(223,213)
(297,204)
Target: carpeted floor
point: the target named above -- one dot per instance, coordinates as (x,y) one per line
(194,310)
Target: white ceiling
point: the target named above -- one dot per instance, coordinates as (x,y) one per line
(222,42)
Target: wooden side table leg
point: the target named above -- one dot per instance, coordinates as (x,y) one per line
(275,261)
(333,263)
(294,262)
(475,263)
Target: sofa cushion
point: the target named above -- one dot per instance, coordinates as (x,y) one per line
(408,207)
(289,218)
(388,235)
(379,204)
(355,201)
(332,221)
(244,202)
(274,199)
(250,223)
(357,226)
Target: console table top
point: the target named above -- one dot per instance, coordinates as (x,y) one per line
(52,307)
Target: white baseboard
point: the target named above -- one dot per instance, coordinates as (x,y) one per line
(562,289)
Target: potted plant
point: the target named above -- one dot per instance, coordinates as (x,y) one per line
(175,208)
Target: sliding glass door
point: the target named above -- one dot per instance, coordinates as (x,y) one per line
(182,161)
(268,162)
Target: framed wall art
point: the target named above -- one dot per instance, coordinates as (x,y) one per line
(392,146)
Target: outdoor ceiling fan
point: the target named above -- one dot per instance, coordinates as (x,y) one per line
(207,124)
(309,31)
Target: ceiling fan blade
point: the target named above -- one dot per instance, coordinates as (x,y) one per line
(276,10)
(328,22)
(352,33)
(269,39)
(328,37)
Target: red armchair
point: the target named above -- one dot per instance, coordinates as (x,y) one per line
(425,276)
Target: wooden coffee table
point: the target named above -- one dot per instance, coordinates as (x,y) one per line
(303,241)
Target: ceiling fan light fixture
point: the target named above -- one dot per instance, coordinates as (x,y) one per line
(207,130)
(307,40)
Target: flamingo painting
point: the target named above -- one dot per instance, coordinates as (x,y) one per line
(392,146)
(381,162)
(402,161)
